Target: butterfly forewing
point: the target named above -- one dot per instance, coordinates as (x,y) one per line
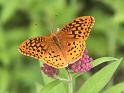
(79,28)
(35,47)
(72,49)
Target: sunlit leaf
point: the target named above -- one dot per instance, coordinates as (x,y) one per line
(102,60)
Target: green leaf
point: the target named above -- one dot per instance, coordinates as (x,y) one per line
(102,60)
(118,88)
(100,79)
(50,86)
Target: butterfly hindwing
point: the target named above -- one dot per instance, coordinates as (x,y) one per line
(54,57)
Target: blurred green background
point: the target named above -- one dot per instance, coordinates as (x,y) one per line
(23,19)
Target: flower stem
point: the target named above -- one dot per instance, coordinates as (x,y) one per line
(70,87)
(69,81)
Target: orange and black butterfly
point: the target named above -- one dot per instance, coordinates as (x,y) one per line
(62,48)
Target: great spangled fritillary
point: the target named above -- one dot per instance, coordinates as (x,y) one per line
(62,48)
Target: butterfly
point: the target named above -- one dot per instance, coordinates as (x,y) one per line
(63,47)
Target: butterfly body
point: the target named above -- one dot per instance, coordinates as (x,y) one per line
(63,48)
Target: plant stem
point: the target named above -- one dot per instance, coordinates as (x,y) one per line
(69,81)
(70,87)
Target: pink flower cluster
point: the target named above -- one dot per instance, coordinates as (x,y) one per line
(49,71)
(82,64)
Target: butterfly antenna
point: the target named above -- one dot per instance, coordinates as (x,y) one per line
(53,24)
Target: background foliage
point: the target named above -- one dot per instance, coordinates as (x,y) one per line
(23,19)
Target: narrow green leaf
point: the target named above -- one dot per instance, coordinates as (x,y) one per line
(102,60)
(49,86)
(100,79)
(118,88)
